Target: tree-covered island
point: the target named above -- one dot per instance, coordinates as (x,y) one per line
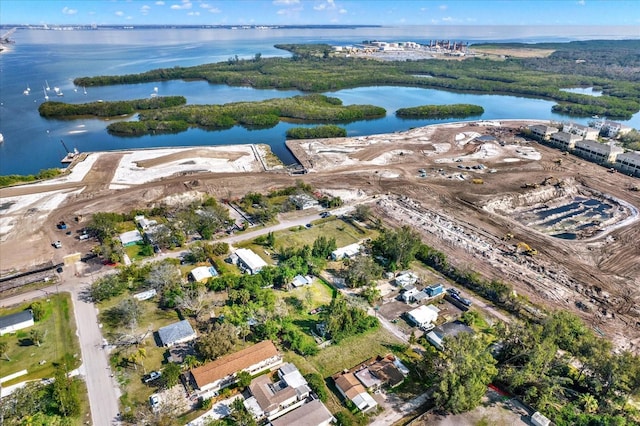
(441,111)
(315,68)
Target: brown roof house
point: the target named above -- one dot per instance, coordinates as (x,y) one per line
(222,372)
(271,399)
(351,388)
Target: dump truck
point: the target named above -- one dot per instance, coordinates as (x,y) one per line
(523,247)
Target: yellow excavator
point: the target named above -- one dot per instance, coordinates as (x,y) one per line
(523,247)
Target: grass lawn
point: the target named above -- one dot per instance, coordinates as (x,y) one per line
(343,232)
(59,330)
(129,376)
(135,252)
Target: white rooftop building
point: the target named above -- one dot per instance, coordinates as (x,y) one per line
(145,223)
(130,238)
(423,315)
(346,252)
(249,261)
(598,152)
(629,163)
(202,273)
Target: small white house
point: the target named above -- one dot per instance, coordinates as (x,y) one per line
(14,322)
(301,281)
(249,261)
(406,278)
(346,252)
(145,223)
(130,238)
(203,273)
(408,295)
(424,315)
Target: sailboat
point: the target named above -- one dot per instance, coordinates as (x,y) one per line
(46,97)
(47,88)
(84,89)
(58,92)
(27,91)
(155,92)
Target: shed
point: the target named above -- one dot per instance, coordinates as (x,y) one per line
(130,238)
(145,295)
(179,332)
(14,322)
(347,251)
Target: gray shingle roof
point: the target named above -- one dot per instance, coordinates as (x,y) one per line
(175,332)
(17,318)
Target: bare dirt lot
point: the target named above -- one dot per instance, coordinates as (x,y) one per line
(441,180)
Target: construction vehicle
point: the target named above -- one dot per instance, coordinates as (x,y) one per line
(549,181)
(558,161)
(523,247)
(478,181)
(529,185)
(507,237)
(634,188)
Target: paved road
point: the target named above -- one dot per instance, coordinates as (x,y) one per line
(103,391)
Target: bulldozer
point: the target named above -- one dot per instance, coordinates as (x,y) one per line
(529,185)
(523,247)
(634,188)
(507,236)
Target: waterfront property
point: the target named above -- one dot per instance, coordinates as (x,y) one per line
(597,152)
(610,129)
(564,140)
(176,333)
(222,372)
(585,132)
(629,163)
(14,322)
(542,131)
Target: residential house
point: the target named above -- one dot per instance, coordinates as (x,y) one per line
(389,370)
(434,290)
(423,315)
(405,278)
(176,333)
(351,389)
(301,281)
(14,322)
(408,295)
(629,163)
(564,140)
(130,238)
(598,152)
(271,399)
(420,297)
(304,201)
(145,223)
(313,413)
(203,273)
(220,373)
(542,131)
(610,129)
(346,252)
(450,329)
(585,132)
(249,261)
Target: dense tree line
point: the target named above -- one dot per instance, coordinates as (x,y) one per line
(7,180)
(328,131)
(308,70)
(441,111)
(262,114)
(52,109)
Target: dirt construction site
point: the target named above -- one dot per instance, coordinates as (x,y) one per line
(562,231)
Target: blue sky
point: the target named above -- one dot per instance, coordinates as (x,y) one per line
(318,12)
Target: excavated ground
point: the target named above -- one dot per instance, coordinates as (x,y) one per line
(424,178)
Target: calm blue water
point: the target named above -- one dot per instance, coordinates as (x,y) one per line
(32,143)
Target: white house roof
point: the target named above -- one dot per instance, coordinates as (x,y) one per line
(249,258)
(203,272)
(423,315)
(299,280)
(310,414)
(175,332)
(346,251)
(364,401)
(130,237)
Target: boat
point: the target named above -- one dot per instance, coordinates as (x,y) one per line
(46,97)
(84,89)
(27,91)
(56,89)
(1,138)
(47,88)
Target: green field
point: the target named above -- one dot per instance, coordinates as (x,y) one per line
(58,329)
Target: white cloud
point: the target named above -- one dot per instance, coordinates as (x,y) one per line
(210,8)
(119,13)
(196,13)
(290,11)
(327,5)
(145,9)
(443,7)
(285,2)
(321,6)
(67,11)
(581,2)
(160,3)
(342,11)
(186,5)
(447,19)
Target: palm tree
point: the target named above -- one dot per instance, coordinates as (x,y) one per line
(190,361)
(137,357)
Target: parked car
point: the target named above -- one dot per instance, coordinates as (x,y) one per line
(57,244)
(154,401)
(465,302)
(154,375)
(452,291)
